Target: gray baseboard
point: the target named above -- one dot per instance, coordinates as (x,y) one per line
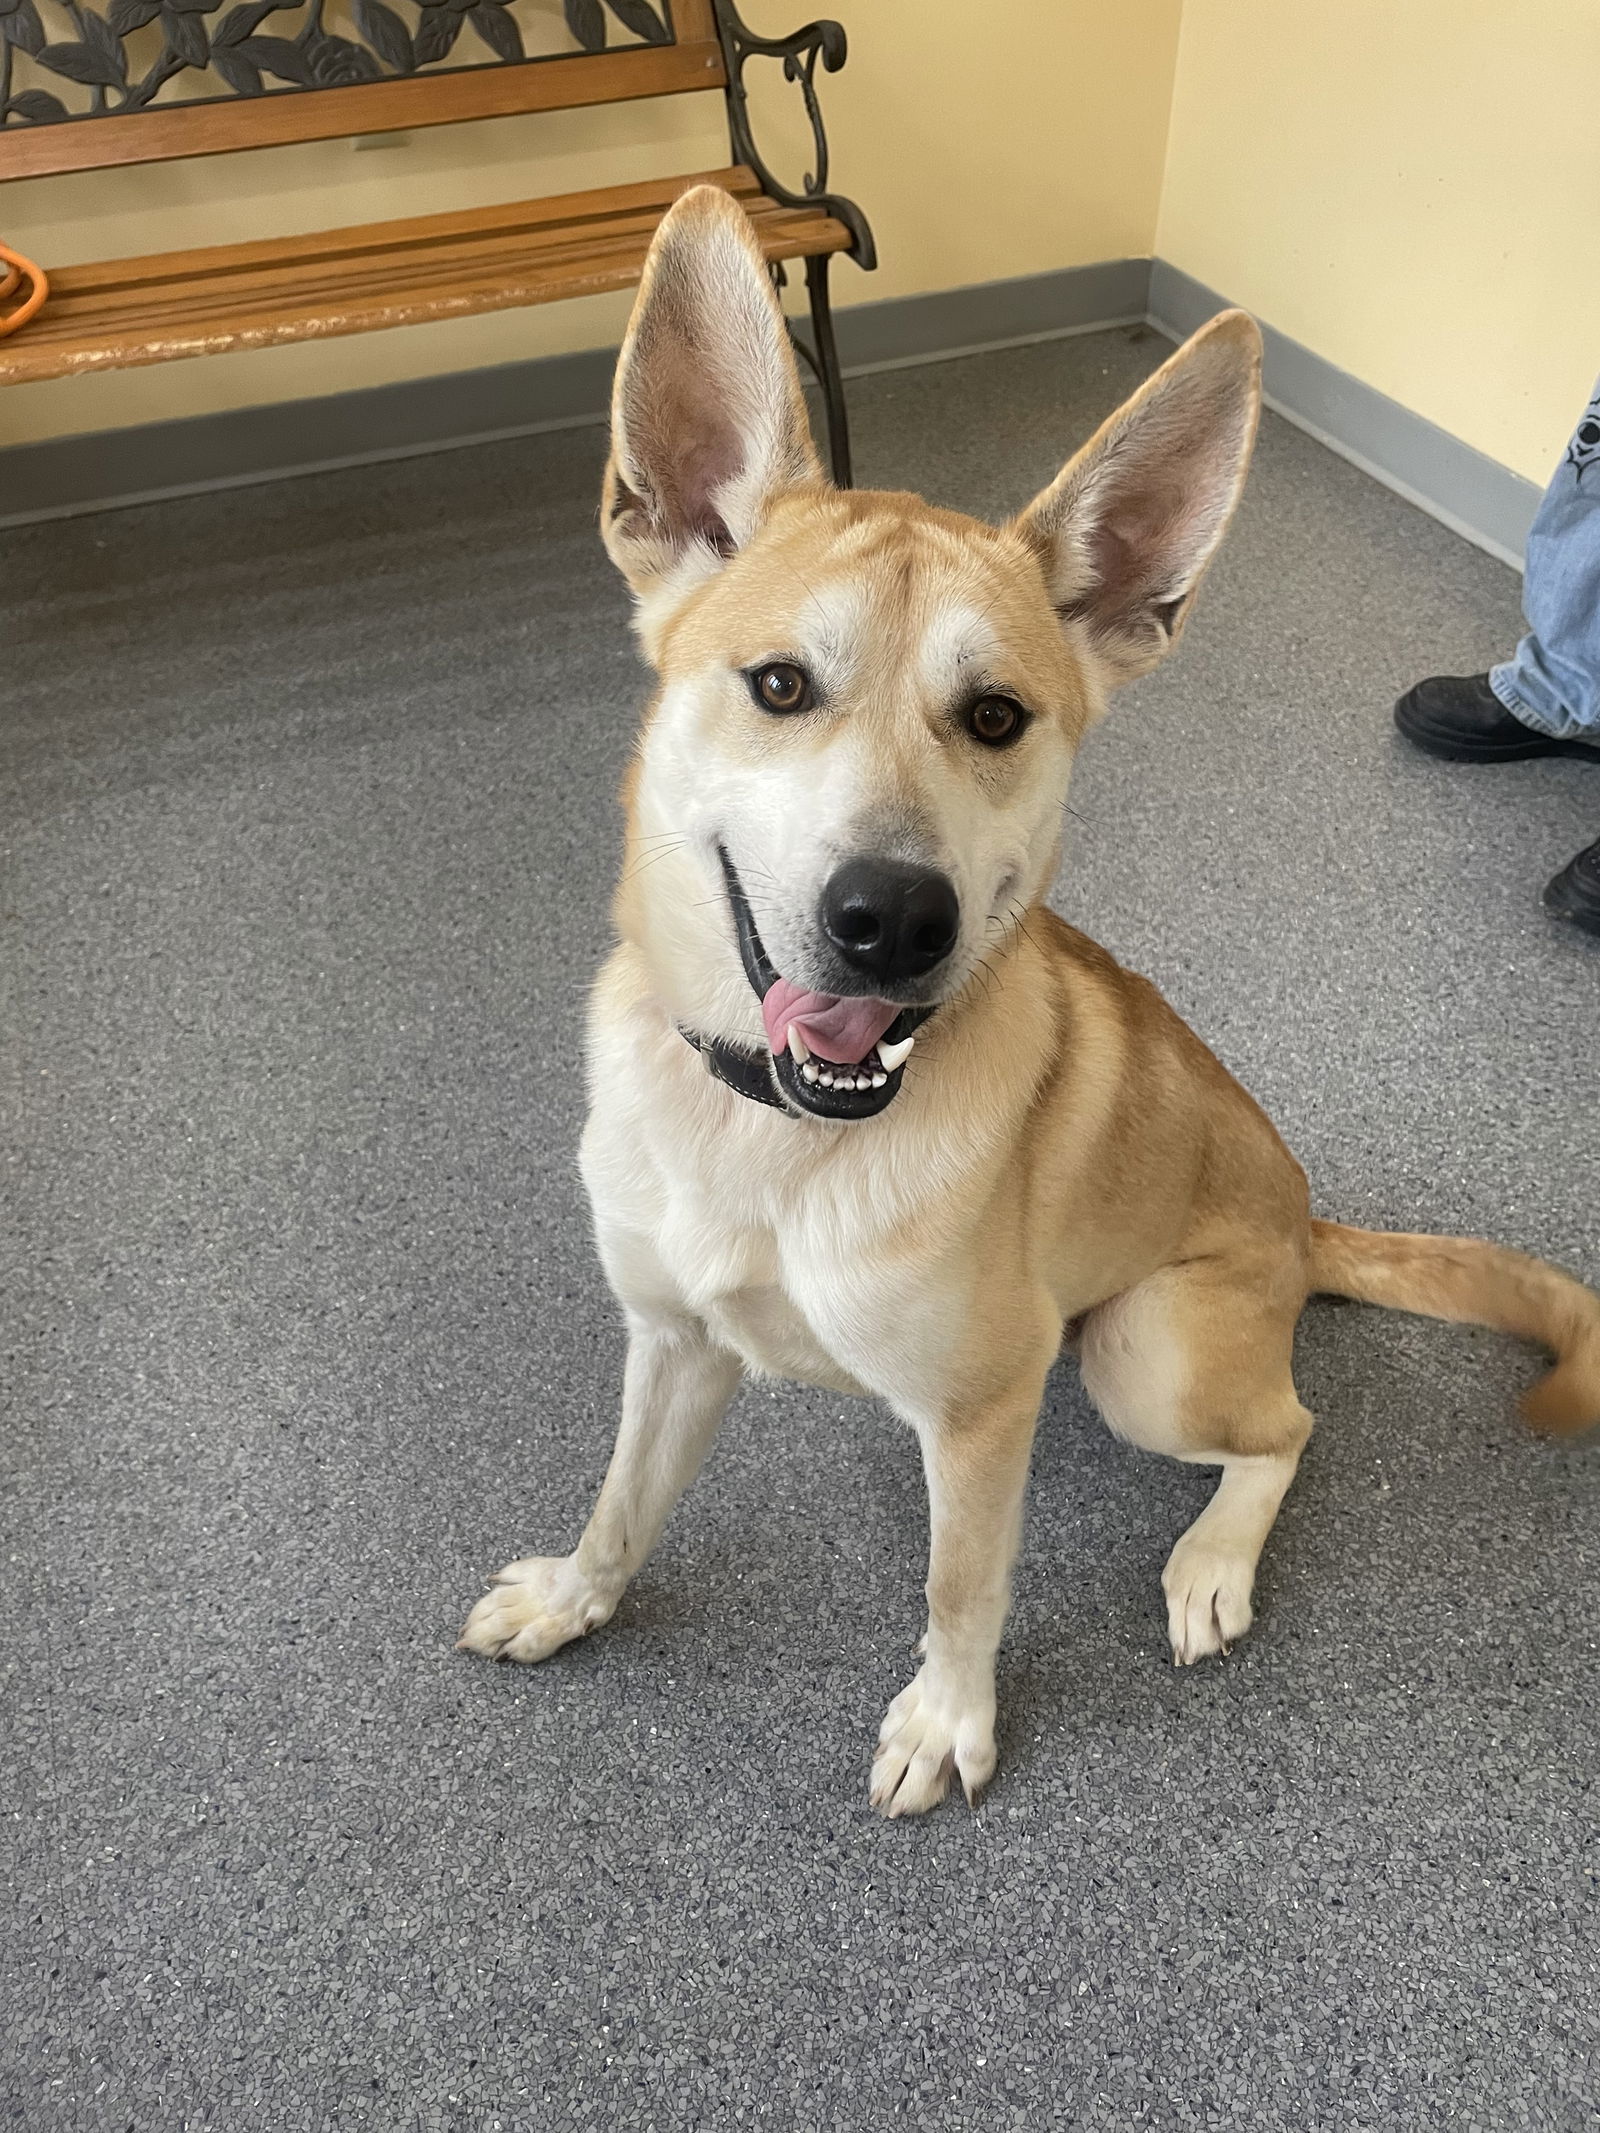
(64,476)
(101,470)
(992,314)
(1474,495)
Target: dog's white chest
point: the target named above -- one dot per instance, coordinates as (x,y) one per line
(790,1244)
(731,1272)
(783,1278)
(772,1337)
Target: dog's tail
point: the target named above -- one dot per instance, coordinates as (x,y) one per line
(1477,1284)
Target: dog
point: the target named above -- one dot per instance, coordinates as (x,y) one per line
(865,1113)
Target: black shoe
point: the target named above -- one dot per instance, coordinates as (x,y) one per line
(1575,892)
(1459,717)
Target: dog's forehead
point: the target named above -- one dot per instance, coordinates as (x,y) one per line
(893,583)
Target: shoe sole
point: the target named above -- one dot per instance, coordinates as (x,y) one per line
(1449,750)
(1573,910)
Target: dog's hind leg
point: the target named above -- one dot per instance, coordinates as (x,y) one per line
(1211,1573)
(1195,1362)
(675,1391)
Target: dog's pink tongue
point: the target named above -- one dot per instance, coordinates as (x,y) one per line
(842,1030)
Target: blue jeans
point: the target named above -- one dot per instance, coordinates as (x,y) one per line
(1552,681)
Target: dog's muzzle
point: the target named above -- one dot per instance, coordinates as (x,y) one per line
(794,1079)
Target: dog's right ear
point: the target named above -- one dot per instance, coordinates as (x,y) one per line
(708,422)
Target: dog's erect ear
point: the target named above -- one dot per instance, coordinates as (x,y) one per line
(1127,528)
(708,422)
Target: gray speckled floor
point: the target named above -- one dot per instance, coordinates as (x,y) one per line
(309,792)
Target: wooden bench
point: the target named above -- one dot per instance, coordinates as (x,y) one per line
(373,72)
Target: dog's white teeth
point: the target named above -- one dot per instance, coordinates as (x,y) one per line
(892,1054)
(797,1047)
(822,1073)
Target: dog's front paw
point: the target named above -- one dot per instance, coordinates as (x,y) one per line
(532,1608)
(1208,1598)
(927,1732)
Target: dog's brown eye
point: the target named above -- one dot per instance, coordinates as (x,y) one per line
(781,688)
(994,720)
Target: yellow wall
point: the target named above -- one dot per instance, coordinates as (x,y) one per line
(984,140)
(1407,186)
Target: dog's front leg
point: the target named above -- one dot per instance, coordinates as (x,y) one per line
(675,1391)
(976,1460)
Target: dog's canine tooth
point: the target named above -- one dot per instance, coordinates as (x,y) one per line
(892,1054)
(797,1047)
(811,1070)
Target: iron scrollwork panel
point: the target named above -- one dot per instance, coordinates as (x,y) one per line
(800,52)
(69,59)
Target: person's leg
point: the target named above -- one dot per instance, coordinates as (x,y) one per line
(1552,681)
(1545,699)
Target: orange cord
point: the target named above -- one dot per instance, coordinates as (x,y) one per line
(14,271)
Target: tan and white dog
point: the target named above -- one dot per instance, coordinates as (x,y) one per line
(921,1130)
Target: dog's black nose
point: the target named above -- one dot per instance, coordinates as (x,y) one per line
(890,921)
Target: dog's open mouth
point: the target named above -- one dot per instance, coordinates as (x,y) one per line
(836,1055)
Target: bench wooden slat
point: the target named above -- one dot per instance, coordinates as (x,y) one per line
(156,312)
(118,314)
(328,279)
(585,210)
(167,132)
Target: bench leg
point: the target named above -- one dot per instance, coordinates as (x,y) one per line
(826,365)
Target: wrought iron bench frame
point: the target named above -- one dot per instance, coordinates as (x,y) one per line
(336,88)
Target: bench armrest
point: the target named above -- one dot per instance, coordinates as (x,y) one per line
(799,52)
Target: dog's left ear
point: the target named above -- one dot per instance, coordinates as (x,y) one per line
(1127,529)
(708,422)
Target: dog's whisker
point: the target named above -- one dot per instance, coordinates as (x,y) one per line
(1021,917)
(991,603)
(822,612)
(640,866)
